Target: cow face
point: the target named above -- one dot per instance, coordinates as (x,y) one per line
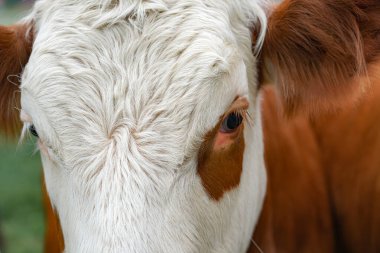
(147,123)
(147,112)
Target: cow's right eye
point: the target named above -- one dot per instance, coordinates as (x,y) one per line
(33,130)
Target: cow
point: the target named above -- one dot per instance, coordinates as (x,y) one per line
(148,117)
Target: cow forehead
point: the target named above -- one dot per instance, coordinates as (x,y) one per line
(161,72)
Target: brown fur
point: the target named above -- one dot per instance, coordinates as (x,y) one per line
(15,48)
(350,145)
(296,215)
(325,54)
(220,171)
(319,50)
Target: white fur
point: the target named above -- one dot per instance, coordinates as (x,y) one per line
(122,93)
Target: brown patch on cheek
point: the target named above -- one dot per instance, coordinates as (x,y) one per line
(220,167)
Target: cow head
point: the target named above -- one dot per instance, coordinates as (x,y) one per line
(147,112)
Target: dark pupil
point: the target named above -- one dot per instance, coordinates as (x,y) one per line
(33,131)
(234,120)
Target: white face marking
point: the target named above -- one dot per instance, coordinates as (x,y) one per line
(121,99)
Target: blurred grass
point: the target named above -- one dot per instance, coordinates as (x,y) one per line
(21,217)
(9,15)
(20,197)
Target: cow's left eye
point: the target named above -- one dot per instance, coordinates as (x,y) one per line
(33,130)
(231,122)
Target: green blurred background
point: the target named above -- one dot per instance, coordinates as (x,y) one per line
(21,214)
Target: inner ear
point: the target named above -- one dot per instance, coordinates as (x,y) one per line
(15,49)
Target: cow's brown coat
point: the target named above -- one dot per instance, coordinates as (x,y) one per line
(296,215)
(350,145)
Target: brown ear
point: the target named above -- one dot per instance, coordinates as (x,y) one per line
(15,48)
(320,50)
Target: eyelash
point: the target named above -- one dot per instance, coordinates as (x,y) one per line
(40,145)
(25,132)
(245,114)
